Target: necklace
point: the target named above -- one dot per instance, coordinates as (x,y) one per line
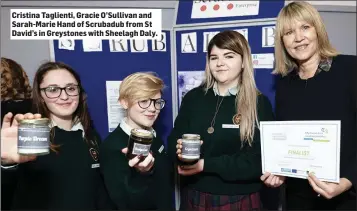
(210,130)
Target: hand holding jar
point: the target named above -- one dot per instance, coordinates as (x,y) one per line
(138,150)
(189,148)
(9,139)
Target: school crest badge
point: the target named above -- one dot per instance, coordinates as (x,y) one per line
(94,153)
(236,119)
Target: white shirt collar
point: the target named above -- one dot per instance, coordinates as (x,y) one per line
(231,91)
(75,127)
(127,128)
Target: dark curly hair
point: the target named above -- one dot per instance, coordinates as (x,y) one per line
(15,84)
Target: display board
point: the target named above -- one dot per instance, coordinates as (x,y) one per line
(190,55)
(102,63)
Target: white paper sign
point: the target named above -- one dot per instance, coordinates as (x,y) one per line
(207,36)
(189,43)
(263,61)
(139,46)
(67,44)
(214,9)
(118,45)
(159,44)
(92,45)
(268,34)
(115,111)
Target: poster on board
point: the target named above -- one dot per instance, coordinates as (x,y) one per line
(115,111)
(188,80)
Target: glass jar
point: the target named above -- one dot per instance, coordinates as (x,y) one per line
(139,143)
(191,147)
(34,137)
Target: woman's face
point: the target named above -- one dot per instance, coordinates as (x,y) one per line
(60,92)
(300,41)
(225,65)
(143,113)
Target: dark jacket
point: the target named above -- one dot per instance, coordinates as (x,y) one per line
(130,189)
(67,180)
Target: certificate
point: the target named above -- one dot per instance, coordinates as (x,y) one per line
(295,148)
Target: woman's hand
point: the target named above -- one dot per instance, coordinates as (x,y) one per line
(188,170)
(179,147)
(328,189)
(271,180)
(9,136)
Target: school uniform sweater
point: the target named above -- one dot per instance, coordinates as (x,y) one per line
(67,180)
(228,168)
(130,189)
(329,95)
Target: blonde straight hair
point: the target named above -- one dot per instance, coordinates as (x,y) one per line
(299,11)
(246,98)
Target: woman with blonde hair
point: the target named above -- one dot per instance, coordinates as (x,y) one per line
(317,83)
(225,111)
(143,180)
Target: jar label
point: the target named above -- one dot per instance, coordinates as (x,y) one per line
(189,148)
(33,138)
(141,149)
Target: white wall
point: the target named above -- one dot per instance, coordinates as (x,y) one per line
(27,53)
(341,28)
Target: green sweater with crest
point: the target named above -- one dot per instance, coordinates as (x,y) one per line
(229,169)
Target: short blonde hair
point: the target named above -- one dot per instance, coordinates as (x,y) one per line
(140,86)
(299,11)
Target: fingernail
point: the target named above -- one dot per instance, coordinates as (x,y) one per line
(140,156)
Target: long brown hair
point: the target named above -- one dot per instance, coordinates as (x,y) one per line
(15,83)
(80,115)
(246,98)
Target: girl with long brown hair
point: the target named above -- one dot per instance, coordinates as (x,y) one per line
(68,177)
(225,111)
